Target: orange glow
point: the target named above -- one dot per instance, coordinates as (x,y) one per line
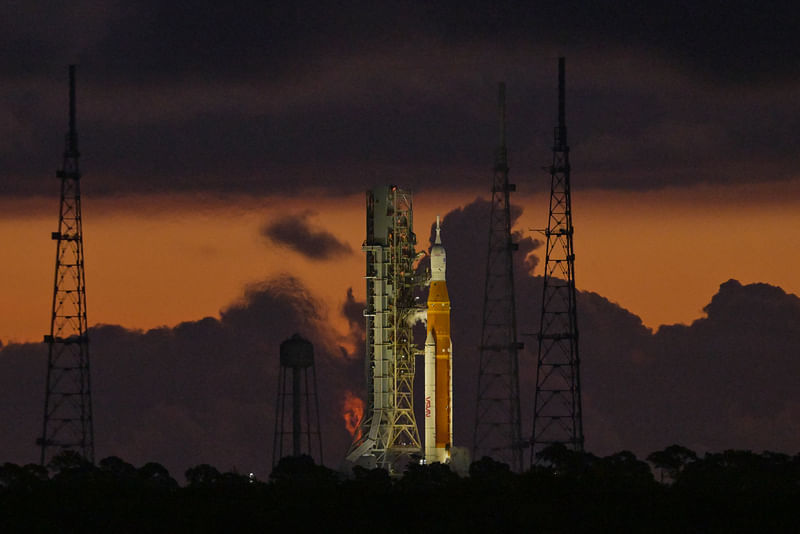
(162,260)
(352,413)
(159,261)
(663,254)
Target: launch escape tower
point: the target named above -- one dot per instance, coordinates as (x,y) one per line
(557,404)
(297,358)
(388,434)
(67,420)
(497,431)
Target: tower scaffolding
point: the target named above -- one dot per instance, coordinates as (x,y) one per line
(497,432)
(557,404)
(387,436)
(67,422)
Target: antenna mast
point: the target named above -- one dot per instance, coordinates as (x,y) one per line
(67,423)
(557,404)
(497,431)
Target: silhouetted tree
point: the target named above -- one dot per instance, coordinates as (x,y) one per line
(301,471)
(488,471)
(68,461)
(672,460)
(732,491)
(622,470)
(428,477)
(27,477)
(233,479)
(117,467)
(156,476)
(562,460)
(72,469)
(373,481)
(202,475)
(740,471)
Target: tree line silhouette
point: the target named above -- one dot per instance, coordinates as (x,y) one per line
(675,490)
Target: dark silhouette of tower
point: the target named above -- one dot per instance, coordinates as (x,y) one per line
(297,358)
(557,404)
(497,418)
(68,396)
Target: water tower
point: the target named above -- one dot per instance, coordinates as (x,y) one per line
(298,433)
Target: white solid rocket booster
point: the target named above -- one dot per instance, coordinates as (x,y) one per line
(430,398)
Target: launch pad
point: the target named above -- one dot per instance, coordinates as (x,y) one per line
(388,432)
(388,436)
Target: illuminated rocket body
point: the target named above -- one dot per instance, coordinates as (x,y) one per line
(438,362)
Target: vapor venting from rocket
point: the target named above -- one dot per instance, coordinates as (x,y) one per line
(419,316)
(352,412)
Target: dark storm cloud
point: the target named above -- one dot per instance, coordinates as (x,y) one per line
(739,42)
(471,220)
(294,232)
(201,392)
(743,365)
(265,97)
(735,42)
(150,40)
(204,391)
(725,381)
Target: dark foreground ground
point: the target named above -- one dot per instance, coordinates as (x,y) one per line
(734,491)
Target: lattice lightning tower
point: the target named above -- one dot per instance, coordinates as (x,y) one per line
(497,431)
(388,434)
(557,404)
(68,396)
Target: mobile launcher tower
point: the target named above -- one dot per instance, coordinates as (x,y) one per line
(388,436)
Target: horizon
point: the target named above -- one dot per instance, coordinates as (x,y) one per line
(218,144)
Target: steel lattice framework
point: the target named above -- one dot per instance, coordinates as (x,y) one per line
(68,397)
(497,431)
(557,405)
(388,433)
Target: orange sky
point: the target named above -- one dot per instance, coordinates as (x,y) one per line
(661,255)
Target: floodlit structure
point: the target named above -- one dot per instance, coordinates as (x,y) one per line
(297,361)
(67,422)
(438,361)
(387,435)
(497,431)
(557,406)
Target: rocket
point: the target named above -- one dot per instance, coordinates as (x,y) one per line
(438,361)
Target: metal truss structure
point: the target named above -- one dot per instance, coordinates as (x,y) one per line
(67,423)
(557,404)
(388,435)
(497,431)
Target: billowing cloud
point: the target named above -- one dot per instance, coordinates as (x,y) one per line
(725,381)
(295,233)
(728,378)
(200,392)
(204,391)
